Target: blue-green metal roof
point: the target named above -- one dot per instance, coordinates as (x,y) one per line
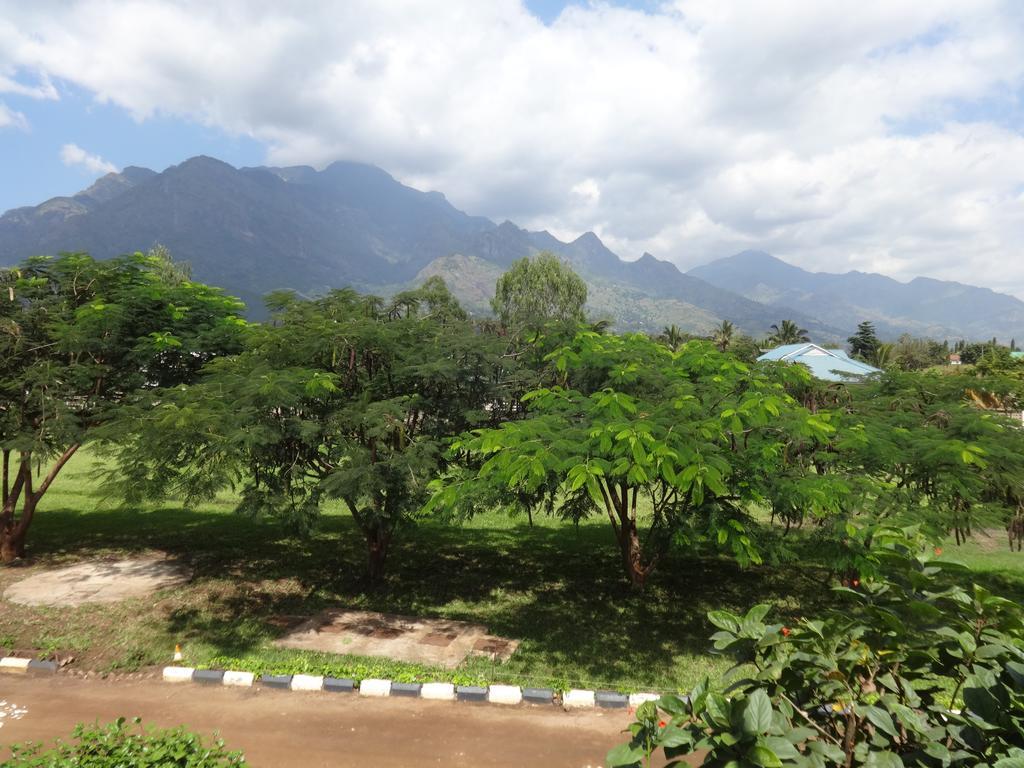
(825,364)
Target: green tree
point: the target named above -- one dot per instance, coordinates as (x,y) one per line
(723,335)
(882,355)
(693,436)
(79,340)
(672,337)
(864,342)
(342,397)
(910,353)
(536,292)
(936,456)
(787,332)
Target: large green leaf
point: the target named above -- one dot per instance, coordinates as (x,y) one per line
(757,713)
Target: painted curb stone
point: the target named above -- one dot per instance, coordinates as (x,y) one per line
(538,696)
(339,685)
(42,667)
(276,681)
(471,693)
(578,699)
(14,664)
(636,699)
(505,694)
(238,679)
(178,674)
(611,700)
(406,689)
(372,687)
(438,691)
(211,676)
(307,683)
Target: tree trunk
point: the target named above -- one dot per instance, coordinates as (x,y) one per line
(632,556)
(377,543)
(13,535)
(14,523)
(622,513)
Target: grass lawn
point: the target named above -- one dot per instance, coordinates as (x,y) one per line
(556,588)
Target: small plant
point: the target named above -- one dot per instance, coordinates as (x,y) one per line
(118,745)
(912,671)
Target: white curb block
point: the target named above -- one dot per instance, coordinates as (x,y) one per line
(636,699)
(505,694)
(240,679)
(178,674)
(307,683)
(577,699)
(438,691)
(373,687)
(12,664)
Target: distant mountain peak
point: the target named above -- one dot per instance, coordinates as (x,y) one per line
(922,307)
(589,238)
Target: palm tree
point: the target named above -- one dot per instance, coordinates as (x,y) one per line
(672,337)
(788,332)
(723,335)
(883,355)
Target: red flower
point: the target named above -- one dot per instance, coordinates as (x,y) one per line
(662,723)
(938,551)
(856,582)
(785,631)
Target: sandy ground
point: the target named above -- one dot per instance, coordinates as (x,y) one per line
(282,728)
(98,581)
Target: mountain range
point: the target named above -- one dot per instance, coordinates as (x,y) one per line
(255,230)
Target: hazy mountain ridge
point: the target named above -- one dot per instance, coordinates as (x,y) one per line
(255,230)
(924,306)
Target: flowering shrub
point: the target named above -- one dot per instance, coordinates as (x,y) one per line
(911,670)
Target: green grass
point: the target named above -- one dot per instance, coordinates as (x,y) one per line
(556,588)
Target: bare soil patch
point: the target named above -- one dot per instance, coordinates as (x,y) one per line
(102,581)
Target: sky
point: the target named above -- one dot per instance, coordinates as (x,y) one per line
(884,136)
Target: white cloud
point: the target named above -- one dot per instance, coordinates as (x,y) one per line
(10,118)
(692,131)
(72,154)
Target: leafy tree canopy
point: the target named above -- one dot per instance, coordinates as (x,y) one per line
(787,332)
(80,339)
(864,343)
(539,291)
(652,438)
(343,397)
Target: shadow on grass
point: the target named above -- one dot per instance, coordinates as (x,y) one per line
(560,591)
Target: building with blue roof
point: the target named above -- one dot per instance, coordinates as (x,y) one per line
(825,364)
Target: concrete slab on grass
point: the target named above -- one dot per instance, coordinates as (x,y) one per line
(437,642)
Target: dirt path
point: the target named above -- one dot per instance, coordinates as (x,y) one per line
(280,729)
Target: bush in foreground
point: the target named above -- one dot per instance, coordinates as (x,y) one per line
(911,671)
(117,745)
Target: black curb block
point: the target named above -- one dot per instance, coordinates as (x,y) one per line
(339,685)
(406,689)
(208,676)
(538,696)
(276,681)
(470,693)
(42,667)
(611,700)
